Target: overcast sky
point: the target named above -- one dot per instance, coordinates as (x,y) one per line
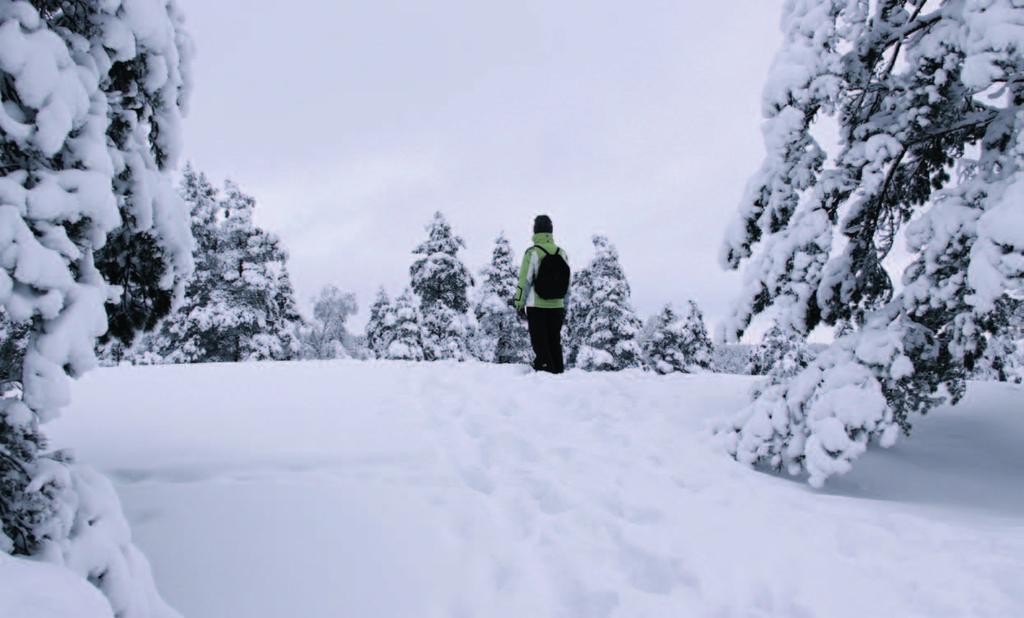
(351,122)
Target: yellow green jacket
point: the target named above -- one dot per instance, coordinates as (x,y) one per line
(525,296)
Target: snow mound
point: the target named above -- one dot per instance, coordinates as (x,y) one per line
(392,489)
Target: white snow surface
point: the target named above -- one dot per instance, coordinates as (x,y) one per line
(30,589)
(392,489)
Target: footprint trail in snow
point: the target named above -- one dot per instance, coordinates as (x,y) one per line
(396,490)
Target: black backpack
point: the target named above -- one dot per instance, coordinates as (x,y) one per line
(552,281)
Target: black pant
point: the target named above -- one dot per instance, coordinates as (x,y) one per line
(546,337)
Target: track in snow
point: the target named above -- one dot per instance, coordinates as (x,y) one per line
(419,490)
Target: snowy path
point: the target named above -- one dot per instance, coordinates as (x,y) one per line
(409,491)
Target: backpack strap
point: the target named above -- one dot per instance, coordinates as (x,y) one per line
(546,254)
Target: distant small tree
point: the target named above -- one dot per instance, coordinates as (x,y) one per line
(782,353)
(501,336)
(406,342)
(733,358)
(679,343)
(380,326)
(699,348)
(611,327)
(326,336)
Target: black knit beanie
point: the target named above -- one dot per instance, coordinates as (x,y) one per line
(542,225)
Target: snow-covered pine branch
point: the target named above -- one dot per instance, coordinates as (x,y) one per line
(90,223)
(929,114)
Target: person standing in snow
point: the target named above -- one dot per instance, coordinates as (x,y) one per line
(543,286)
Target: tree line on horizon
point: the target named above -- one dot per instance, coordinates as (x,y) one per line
(240,305)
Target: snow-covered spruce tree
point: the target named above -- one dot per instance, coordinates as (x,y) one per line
(194,331)
(239,304)
(501,336)
(577,315)
(679,343)
(406,337)
(927,97)
(697,343)
(782,354)
(93,95)
(380,326)
(264,317)
(658,340)
(441,281)
(612,327)
(325,336)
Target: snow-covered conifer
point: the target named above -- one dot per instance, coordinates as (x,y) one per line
(577,315)
(262,301)
(193,333)
(658,340)
(926,97)
(612,327)
(501,336)
(441,281)
(782,353)
(406,340)
(379,327)
(326,336)
(239,304)
(679,343)
(93,94)
(697,343)
(1003,360)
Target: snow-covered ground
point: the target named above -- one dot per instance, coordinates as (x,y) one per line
(30,589)
(419,490)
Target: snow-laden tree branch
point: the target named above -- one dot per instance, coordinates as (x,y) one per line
(93,96)
(930,119)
